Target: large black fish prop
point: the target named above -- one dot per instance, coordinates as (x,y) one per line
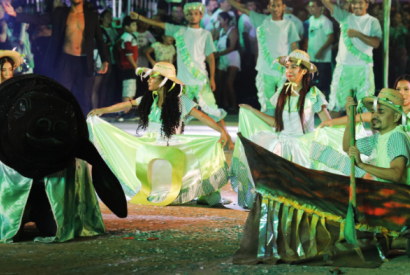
(42,130)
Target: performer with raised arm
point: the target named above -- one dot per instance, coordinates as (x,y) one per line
(194,46)
(274,37)
(163,112)
(360,34)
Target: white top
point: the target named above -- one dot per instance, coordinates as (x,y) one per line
(199,43)
(245,26)
(365,24)
(127,37)
(163,53)
(280,34)
(144,40)
(314,102)
(214,18)
(319,29)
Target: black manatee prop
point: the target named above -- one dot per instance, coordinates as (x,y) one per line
(42,130)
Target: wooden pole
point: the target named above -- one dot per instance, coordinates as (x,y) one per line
(350,223)
(386,30)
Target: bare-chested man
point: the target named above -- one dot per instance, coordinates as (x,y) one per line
(69,58)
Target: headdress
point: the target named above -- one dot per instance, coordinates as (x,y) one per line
(17,58)
(167,70)
(390,98)
(194,6)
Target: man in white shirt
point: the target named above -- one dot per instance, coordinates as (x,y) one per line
(359,34)
(274,36)
(211,5)
(247,32)
(319,45)
(224,6)
(288,15)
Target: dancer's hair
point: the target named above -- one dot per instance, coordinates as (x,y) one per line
(4,60)
(283,96)
(402,77)
(171,111)
(225,16)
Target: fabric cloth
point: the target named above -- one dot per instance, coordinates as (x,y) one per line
(327,154)
(231,59)
(214,19)
(346,78)
(245,26)
(163,53)
(199,44)
(298,24)
(292,143)
(365,24)
(267,86)
(204,169)
(74,76)
(144,40)
(58,19)
(129,47)
(319,29)
(299,216)
(72,198)
(278,36)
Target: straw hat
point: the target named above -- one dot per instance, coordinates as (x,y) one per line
(387,97)
(300,57)
(194,6)
(15,56)
(165,69)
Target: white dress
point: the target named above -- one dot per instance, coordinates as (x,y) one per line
(292,143)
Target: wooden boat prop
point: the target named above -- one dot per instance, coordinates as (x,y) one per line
(298,215)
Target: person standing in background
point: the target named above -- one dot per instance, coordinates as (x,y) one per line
(211,6)
(39,48)
(398,52)
(360,34)
(319,46)
(247,33)
(177,15)
(288,15)
(224,6)
(274,35)
(163,50)
(144,41)
(70,53)
(5,43)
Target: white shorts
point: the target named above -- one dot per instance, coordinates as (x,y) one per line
(129,88)
(232,59)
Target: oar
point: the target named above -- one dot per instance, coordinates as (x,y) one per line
(350,228)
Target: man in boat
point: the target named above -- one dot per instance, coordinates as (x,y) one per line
(389,149)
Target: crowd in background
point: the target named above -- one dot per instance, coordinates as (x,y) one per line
(233,35)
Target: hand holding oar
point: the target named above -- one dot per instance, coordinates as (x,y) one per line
(350,229)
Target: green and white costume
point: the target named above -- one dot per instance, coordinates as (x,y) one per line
(381,150)
(203,166)
(72,198)
(354,69)
(193,46)
(293,143)
(274,40)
